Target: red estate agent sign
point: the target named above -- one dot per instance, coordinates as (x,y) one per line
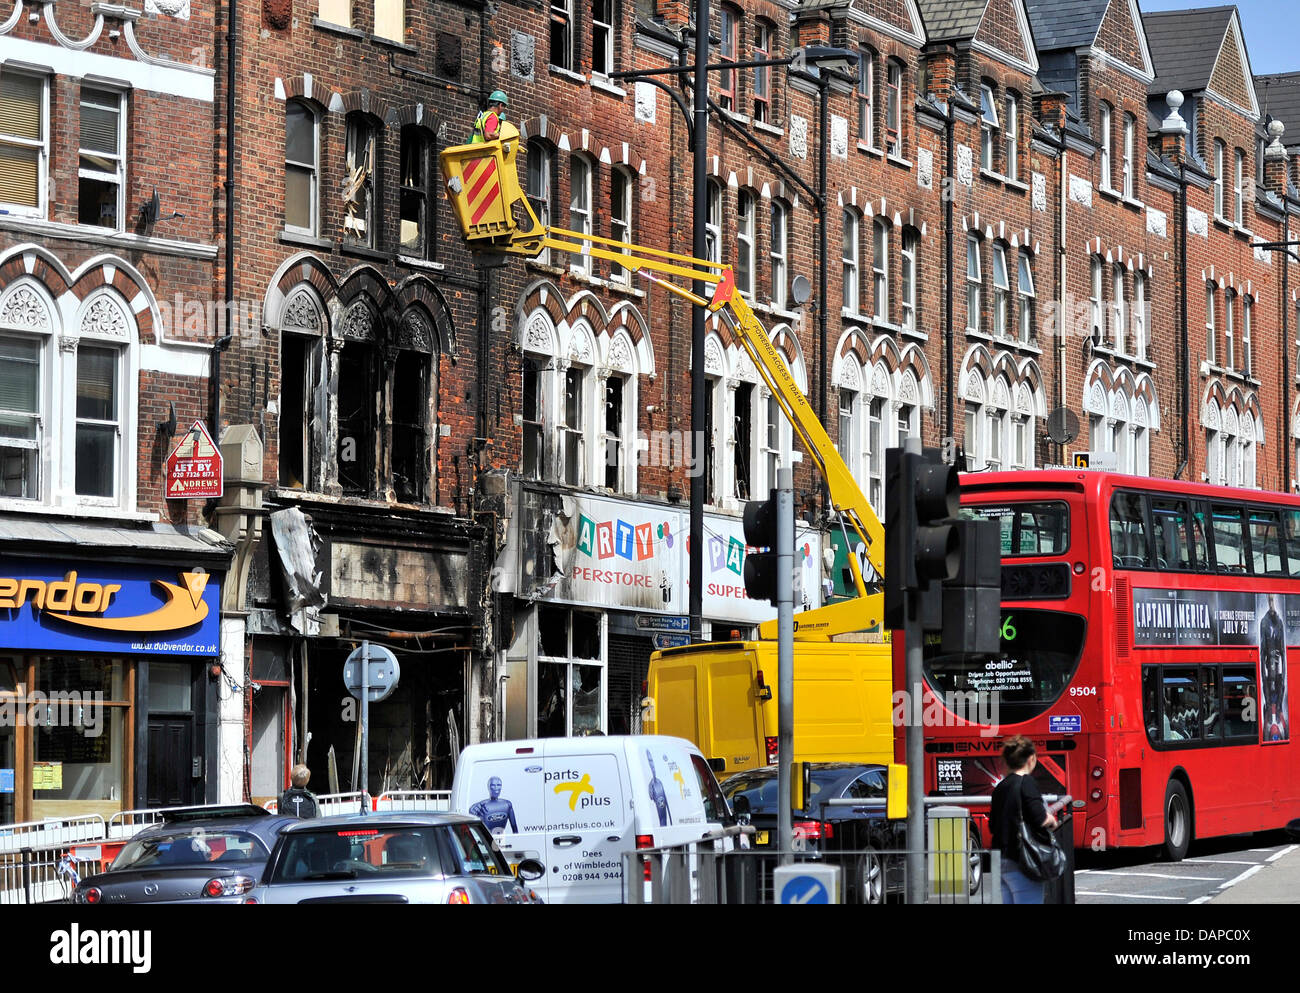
(194,467)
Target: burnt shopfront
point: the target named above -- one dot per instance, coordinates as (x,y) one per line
(110,675)
(328,575)
(599,583)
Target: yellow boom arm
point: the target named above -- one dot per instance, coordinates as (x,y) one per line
(496,217)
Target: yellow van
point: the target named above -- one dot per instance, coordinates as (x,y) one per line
(722,696)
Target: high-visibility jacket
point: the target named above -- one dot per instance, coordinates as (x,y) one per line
(487,126)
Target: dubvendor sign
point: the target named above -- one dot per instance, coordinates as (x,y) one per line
(1268,622)
(81,606)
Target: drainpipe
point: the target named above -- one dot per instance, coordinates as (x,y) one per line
(224,342)
(950,122)
(1184,371)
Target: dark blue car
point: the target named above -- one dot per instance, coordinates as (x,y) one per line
(854,837)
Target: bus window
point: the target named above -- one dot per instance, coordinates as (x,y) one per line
(1128,533)
(1200,547)
(1211,705)
(1291,535)
(1240,702)
(1169,522)
(1229,539)
(1151,701)
(1026,528)
(1181,720)
(1265,542)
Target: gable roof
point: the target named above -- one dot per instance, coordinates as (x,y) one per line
(1065,23)
(1185,45)
(906,25)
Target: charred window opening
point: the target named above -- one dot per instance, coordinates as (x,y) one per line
(355,418)
(299,370)
(410,416)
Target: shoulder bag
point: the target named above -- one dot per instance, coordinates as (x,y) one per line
(1041,859)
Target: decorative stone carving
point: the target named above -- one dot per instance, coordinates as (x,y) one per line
(538,333)
(179,9)
(1038,191)
(1096,402)
(522,57)
(1024,402)
(1198,222)
(1001,398)
(580,349)
(414,333)
(924,168)
(359,323)
(104,318)
(646,101)
(880,382)
(745,370)
(965,165)
(974,389)
(798,137)
(301,312)
(908,392)
(25,309)
(713,361)
(1080,190)
(68,342)
(1210,416)
(620,354)
(850,375)
(1157,223)
(839,137)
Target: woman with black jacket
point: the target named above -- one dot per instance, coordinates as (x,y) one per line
(1016,797)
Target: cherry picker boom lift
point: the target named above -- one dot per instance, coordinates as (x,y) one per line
(843,710)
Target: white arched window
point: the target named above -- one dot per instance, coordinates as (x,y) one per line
(99,377)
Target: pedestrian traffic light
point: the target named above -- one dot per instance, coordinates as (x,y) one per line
(760,533)
(921,538)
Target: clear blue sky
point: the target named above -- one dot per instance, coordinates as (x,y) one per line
(1269,27)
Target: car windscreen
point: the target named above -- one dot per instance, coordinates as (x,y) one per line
(358,853)
(193,846)
(758,791)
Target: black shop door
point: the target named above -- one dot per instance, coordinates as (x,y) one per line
(171,762)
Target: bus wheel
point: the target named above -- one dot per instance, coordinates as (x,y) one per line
(869,877)
(1178,821)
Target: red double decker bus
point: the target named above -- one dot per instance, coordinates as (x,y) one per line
(1144,649)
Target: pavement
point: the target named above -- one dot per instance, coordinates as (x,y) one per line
(1276,880)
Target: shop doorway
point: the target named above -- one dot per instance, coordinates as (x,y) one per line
(171,762)
(415,735)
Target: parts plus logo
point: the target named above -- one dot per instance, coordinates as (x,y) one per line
(581,792)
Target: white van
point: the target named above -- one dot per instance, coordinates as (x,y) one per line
(578,804)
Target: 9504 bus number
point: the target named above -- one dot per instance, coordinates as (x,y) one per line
(1083,691)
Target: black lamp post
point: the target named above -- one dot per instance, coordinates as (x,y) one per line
(824,60)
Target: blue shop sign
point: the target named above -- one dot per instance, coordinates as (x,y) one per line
(121,609)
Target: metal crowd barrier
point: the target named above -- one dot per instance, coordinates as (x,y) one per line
(689,874)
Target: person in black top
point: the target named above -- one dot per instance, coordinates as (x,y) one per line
(1004,820)
(298,801)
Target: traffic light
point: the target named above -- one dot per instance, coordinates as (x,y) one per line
(921,537)
(972,598)
(760,532)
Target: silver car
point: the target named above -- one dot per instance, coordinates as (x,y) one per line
(392,858)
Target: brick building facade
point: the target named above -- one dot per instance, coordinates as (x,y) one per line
(487,469)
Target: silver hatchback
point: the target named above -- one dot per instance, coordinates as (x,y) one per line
(397,858)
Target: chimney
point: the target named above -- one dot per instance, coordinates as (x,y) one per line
(1173,130)
(941,72)
(1051,109)
(814,29)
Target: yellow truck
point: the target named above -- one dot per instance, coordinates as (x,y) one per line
(722,696)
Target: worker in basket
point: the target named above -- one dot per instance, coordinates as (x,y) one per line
(487,126)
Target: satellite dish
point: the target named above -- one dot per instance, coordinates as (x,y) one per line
(1062,426)
(800,290)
